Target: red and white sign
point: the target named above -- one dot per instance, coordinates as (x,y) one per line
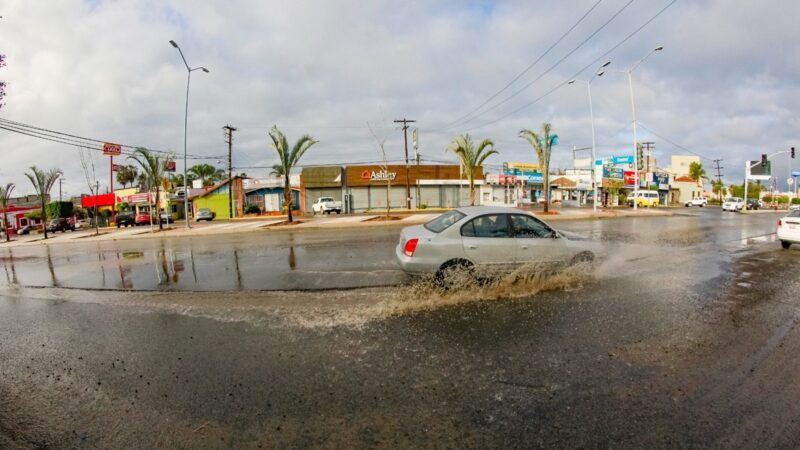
(115,167)
(110,149)
(629,178)
(170,166)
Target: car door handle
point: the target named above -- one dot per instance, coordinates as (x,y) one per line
(472,247)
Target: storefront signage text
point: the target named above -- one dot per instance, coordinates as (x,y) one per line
(378,175)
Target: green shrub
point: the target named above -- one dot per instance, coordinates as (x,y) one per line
(59,209)
(766,199)
(252,209)
(796,201)
(423,206)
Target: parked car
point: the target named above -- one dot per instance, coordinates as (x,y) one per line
(699,201)
(481,239)
(753,204)
(326,205)
(643,199)
(789,229)
(81,224)
(204,214)
(60,224)
(794,208)
(25,230)
(126,218)
(733,204)
(142,219)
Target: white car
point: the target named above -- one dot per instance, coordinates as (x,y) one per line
(326,205)
(699,201)
(789,229)
(733,204)
(481,239)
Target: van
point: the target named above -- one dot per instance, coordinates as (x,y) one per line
(643,199)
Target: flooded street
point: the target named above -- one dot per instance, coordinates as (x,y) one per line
(683,334)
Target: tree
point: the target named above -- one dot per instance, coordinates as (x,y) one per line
(753,190)
(5,194)
(207,173)
(42,182)
(697,173)
(127,175)
(542,144)
(288,159)
(153,168)
(2,83)
(277,170)
(718,187)
(471,157)
(385,167)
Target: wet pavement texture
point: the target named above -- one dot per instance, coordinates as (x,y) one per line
(683,336)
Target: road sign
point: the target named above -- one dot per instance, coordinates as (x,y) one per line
(170,166)
(755,171)
(622,159)
(115,167)
(796,174)
(789,181)
(110,149)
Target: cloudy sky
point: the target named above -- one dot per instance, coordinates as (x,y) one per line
(725,86)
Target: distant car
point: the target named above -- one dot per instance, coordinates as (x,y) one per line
(60,224)
(733,204)
(794,208)
(126,218)
(142,219)
(753,204)
(204,214)
(481,239)
(326,205)
(789,229)
(699,201)
(643,199)
(81,224)
(25,230)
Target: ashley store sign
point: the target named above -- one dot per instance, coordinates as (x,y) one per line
(378,175)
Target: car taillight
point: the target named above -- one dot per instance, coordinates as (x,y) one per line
(410,246)
(780,223)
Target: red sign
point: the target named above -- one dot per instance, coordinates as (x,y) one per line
(629,178)
(170,166)
(112,149)
(508,179)
(115,167)
(366,175)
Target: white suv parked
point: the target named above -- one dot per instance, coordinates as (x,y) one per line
(733,204)
(699,201)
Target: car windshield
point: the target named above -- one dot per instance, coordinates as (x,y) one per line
(795,213)
(442,222)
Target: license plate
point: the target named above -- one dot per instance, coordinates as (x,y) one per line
(793,227)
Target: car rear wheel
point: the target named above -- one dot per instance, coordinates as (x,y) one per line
(582,257)
(786,244)
(455,274)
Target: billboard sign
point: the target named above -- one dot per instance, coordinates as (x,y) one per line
(110,149)
(613,173)
(629,178)
(115,167)
(662,180)
(521,165)
(529,175)
(169,166)
(622,159)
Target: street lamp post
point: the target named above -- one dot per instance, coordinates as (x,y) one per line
(189,71)
(591,119)
(633,112)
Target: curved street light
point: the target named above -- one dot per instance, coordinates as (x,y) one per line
(591,119)
(633,111)
(185,129)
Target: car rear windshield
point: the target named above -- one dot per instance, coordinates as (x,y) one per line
(795,213)
(442,222)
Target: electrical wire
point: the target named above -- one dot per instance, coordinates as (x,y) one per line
(516,78)
(577,74)
(673,142)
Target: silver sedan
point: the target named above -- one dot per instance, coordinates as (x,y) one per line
(481,239)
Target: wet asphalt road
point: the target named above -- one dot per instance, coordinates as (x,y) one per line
(683,336)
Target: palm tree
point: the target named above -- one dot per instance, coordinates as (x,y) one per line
(288,159)
(277,170)
(697,173)
(153,168)
(127,175)
(42,182)
(205,172)
(5,194)
(542,144)
(471,157)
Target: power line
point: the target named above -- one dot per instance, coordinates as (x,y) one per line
(516,78)
(551,68)
(591,64)
(71,139)
(673,143)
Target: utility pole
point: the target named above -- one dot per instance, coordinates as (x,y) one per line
(405,123)
(59,190)
(415,143)
(719,176)
(229,139)
(648,148)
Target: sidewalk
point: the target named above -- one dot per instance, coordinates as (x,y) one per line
(274,223)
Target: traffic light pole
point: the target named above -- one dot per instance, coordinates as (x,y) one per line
(748,166)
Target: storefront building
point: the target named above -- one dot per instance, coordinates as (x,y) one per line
(429,186)
(320,181)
